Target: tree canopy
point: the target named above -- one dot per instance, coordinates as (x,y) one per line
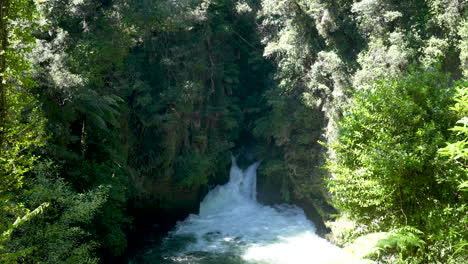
(118,114)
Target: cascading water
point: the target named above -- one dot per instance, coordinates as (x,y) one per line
(233,228)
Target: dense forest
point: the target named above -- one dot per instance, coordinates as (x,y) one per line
(119,114)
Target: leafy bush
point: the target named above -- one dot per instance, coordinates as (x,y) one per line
(398,243)
(388,173)
(457,151)
(56,231)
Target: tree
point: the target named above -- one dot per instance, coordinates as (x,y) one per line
(387,173)
(21,123)
(40,216)
(61,232)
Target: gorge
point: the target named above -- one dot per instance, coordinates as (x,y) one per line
(118,120)
(232,227)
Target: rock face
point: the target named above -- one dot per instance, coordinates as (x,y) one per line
(268,193)
(156,209)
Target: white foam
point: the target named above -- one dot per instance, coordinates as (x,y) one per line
(230,219)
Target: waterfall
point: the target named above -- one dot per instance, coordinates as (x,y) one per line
(232,227)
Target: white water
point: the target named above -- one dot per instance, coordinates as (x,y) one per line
(231,221)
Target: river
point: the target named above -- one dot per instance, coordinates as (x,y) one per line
(233,228)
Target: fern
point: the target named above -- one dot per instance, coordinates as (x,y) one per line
(402,242)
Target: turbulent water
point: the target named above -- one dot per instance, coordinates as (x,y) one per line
(233,228)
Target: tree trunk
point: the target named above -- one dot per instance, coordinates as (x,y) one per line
(4,5)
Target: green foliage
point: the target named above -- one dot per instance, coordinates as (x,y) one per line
(187,99)
(404,241)
(388,145)
(52,231)
(21,122)
(17,136)
(463,46)
(312,84)
(387,173)
(6,256)
(22,134)
(323,52)
(390,156)
(111,220)
(75,64)
(192,169)
(147,98)
(457,154)
(58,234)
(458,150)
(397,244)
